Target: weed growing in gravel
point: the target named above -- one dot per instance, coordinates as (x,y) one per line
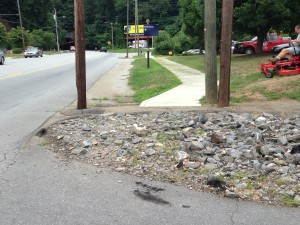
(45,143)
(289,201)
(198,132)
(163,137)
(280,182)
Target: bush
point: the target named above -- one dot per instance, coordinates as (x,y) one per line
(163,43)
(181,42)
(17,51)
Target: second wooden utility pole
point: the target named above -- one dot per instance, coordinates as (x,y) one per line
(211,88)
(225,57)
(56,30)
(80,54)
(21,25)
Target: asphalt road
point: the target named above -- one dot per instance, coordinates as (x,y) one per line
(38,188)
(33,89)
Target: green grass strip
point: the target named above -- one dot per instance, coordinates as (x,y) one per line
(148,83)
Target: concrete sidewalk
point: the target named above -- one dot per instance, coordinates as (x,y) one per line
(188,93)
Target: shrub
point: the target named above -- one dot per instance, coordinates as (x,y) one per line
(163,43)
(181,42)
(17,51)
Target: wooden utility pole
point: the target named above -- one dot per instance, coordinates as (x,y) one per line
(56,30)
(211,88)
(80,53)
(21,25)
(137,26)
(225,57)
(127,32)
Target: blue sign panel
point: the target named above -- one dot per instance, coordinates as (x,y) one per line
(151,29)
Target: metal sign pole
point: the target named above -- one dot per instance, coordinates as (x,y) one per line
(148,58)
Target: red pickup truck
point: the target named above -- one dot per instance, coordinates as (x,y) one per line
(250,47)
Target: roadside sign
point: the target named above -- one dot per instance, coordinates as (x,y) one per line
(131,29)
(151,29)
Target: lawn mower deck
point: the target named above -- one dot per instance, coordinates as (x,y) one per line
(283,67)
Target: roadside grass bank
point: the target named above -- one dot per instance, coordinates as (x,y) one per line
(247,83)
(130,50)
(148,83)
(123,50)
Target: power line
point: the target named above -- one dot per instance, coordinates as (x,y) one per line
(8,21)
(9,14)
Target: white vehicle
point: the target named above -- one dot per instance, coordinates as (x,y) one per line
(192,52)
(142,44)
(2,58)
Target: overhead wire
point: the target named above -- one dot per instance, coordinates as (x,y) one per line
(8,21)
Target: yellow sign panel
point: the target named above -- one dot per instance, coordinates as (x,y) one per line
(131,29)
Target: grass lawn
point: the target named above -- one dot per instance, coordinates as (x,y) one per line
(130,50)
(148,83)
(247,83)
(123,50)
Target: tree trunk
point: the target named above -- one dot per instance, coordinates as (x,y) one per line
(260,41)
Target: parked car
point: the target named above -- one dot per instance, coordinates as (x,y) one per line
(192,52)
(33,52)
(276,49)
(2,58)
(232,47)
(103,49)
(72,48)
(250,47)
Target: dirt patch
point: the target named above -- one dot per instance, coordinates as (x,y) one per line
(251,96)
(277,84)
(254,91)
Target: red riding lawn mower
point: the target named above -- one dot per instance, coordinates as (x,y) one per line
(283,67)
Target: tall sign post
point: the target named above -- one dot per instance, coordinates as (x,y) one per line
(148,58)
(80,54)
(225,56)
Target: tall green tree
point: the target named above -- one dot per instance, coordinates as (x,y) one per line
(192,12)
(259,17)
(15,37)
(3,35)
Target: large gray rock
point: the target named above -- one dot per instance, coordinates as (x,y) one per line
(231,194)
(196,145)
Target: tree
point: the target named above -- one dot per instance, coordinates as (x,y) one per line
(181,42)
(192,12)
(49,40)
(37,14)
(163,43)
(259,17)
(3,35)
(15,37)
(36,38)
